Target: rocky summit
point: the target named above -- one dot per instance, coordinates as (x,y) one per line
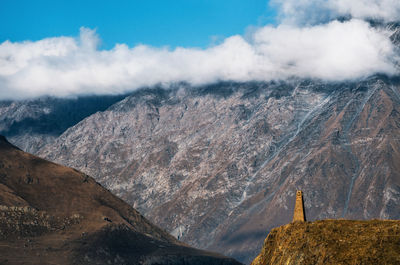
(51,214)
(332,242)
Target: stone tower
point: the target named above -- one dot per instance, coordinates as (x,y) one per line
(299,213)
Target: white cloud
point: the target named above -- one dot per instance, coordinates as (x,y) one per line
(310,12)
(65,66)
(333,51)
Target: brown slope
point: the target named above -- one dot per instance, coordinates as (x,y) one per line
(332,242)
(50,214)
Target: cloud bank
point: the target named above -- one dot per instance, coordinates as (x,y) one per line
(310,12)
(332,51)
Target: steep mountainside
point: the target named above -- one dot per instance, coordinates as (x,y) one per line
(332,242)
(186,157)
(31,124)
(217,166)
(50,214)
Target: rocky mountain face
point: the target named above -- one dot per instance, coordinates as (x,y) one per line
(33,123)
(51,214)
(217,166)
(187,158)
(332,242)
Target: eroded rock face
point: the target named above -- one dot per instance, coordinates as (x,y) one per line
(217,166)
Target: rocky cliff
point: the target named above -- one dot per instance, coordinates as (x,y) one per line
(218,165)
(50,214)
(332,242)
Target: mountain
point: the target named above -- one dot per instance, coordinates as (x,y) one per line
(332,242)
(218,165)
(33,123)
(51,214)
(186,157)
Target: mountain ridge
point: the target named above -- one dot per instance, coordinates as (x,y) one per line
(51,214)
(224,158)
(33,123)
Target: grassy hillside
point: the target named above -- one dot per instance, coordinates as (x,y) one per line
(333,242)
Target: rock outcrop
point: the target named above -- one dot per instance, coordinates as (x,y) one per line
(332,242)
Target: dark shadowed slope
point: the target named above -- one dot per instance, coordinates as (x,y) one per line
(32,123)
(50,214)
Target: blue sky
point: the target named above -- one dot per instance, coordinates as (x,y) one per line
(188,23)
(306,41)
